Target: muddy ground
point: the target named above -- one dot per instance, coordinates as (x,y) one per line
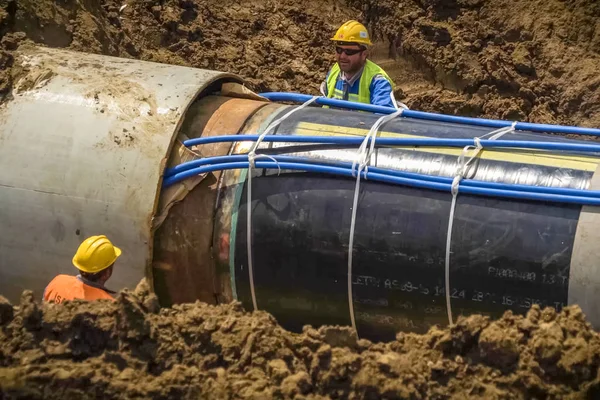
(133,349)
(528,60)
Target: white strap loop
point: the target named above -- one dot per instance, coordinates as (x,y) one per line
(363,158)
(461,173)
(252,156)
(397,104)
(273,125)
(364,155)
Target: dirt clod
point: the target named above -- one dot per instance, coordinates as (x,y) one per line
(499,344)
(30,311)
(6,311)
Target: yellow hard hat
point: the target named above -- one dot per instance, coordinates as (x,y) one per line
(353,32)
(95,254)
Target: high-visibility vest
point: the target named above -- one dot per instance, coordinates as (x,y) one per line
(67,287)
(364,90)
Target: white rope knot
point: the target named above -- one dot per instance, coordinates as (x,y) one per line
(455,184)
(251,158)
(367,147)
(462,165)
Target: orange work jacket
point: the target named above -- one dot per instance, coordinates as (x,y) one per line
(67,287)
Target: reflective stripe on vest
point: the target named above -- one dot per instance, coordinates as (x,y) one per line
(370,71)
(338,94)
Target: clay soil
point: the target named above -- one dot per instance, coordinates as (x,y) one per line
(134,349)
(528,60)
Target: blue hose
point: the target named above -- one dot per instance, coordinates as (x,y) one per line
(524,126)
(386,178)
(388,141)
(524,192)
(175,171)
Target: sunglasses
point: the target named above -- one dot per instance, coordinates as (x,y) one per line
(349,52)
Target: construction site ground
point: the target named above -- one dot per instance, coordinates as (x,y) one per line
(134,349)
(527,60)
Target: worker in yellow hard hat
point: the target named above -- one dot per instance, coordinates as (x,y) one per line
(354,77)
(94,259)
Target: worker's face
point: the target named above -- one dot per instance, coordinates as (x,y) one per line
(350,57)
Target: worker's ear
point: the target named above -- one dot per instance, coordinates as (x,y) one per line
(365,54)
(108,272)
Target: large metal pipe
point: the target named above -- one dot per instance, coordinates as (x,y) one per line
(83,145)
(506,254)
(183,266)
(92,162)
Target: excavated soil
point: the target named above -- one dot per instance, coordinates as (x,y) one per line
(528,60)
(134,349)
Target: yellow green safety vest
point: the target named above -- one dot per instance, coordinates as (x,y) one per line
(364,91)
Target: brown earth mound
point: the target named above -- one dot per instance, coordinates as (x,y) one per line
(134,349)
(519,60)
(273,44)
(513,59)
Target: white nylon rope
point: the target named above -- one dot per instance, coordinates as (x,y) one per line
(252,156)
(461,173)
(362,159)
(397,104)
